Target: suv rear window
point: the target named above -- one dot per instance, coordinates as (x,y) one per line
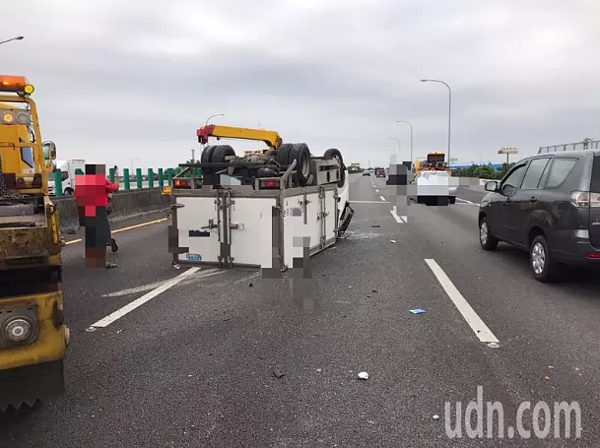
(559,171)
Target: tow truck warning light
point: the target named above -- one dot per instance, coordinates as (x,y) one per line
(18,84)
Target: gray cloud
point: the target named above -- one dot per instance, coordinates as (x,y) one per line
(116,81)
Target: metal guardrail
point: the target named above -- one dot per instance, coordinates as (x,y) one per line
(580,146)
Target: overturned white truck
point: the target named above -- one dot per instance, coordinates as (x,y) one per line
(263,210)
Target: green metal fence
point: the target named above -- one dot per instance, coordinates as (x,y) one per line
(151,180)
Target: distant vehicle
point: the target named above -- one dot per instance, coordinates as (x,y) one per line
(434,188)
(366,173)
(380,173)
(549,205)
(67,168)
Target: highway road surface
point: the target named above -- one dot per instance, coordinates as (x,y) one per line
(162,357)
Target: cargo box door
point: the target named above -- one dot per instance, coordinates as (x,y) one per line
(252,241)
(197,229)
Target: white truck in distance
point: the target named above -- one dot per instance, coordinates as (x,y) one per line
(67,168)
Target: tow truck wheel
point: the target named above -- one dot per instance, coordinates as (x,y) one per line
(301,154)
(207,156)
(221,152)
(334,153)
(68,192)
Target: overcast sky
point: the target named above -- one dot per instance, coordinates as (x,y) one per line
(116,82)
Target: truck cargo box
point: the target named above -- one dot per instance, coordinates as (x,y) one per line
(240,227)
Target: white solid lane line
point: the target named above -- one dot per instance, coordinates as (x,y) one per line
(145,298)
(382,198)
(479,327)
(399,219)
(144,288)
(465,201)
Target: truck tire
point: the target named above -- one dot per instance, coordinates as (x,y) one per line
(68,191)
(334,153)
(206,157)
(283,154)
(222,151)
(301,154)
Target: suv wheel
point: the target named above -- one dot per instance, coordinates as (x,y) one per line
(486,239)
(544,268)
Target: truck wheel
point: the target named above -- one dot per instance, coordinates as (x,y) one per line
(283,154)
(334,153)
(222,151)
(301,154)
(207,156)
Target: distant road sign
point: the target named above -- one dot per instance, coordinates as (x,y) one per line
(508,151)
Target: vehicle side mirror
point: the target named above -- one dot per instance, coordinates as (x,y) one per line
(49,149)
(492,185)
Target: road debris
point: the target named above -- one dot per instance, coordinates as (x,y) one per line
(392,241)
(436,417)
(547,378)
(277,373)
(363,376)
(493,345)
(417,311)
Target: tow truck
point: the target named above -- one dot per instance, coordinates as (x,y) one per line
(255,210)
(435,161)
(33,336)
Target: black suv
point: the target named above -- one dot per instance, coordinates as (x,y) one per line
(548,204)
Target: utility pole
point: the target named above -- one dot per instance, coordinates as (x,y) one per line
(193,152)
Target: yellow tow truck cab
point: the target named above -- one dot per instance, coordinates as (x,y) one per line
(33,336)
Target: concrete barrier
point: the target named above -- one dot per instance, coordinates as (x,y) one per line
(126,204)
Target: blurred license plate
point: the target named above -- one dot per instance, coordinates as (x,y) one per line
(193,257)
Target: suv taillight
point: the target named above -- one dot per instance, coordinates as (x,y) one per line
(585,199)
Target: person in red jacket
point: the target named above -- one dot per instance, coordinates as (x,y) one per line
(91,195)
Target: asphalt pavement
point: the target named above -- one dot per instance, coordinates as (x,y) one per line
(221,358)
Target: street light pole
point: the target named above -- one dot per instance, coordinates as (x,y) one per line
(411,139)
(11,39)
(399,144)
(449,108)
